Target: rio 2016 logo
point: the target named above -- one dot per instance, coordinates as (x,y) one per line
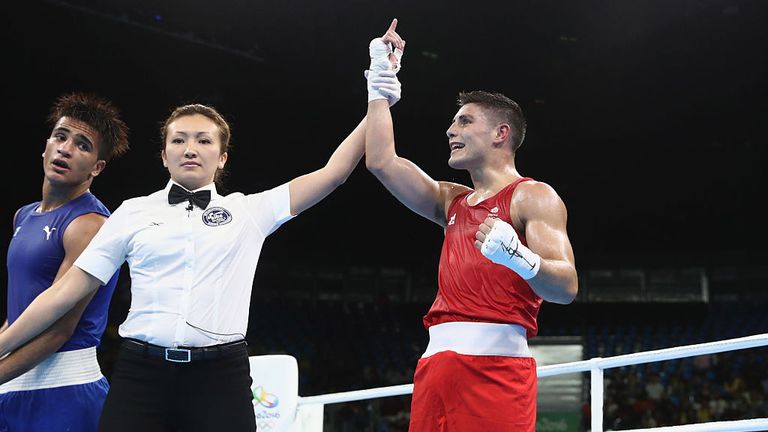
(264,398)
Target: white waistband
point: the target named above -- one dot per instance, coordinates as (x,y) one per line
(60,369)
(477,338)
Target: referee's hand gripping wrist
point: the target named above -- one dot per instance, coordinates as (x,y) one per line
(498,241)
(383,85)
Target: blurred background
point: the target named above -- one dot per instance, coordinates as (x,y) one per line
(648,118)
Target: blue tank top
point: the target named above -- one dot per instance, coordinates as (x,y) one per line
(35,254)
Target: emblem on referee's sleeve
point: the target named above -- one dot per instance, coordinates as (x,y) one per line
(217,216)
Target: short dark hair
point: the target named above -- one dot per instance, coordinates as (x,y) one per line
(98,113)
(505,108)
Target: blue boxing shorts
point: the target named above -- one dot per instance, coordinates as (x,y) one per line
(73,408)
(64,393)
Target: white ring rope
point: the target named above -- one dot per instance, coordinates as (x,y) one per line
(759,424)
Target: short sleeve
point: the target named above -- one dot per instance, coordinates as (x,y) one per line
(270,208)
(107,250)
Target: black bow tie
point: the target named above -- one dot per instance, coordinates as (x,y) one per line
(179,194)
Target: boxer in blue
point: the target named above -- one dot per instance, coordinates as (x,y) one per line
(54,383)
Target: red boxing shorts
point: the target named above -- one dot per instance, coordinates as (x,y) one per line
(467,393)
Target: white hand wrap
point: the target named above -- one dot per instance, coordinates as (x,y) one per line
(503,246)
(379,52)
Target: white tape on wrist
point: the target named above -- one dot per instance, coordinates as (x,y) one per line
(379,52)
(502,246)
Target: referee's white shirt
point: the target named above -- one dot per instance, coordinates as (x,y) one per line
(191,270)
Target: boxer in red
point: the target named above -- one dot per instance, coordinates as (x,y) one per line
(506,250)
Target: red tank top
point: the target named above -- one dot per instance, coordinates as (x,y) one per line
(470,286)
